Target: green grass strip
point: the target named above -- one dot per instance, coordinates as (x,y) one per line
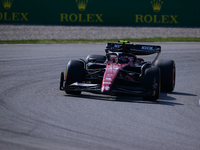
(59,41)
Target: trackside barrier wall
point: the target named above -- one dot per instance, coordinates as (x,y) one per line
(174,13)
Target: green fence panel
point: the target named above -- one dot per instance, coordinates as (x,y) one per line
(175,13)
(197,13)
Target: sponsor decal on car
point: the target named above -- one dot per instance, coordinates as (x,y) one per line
(147,47)
(117,46)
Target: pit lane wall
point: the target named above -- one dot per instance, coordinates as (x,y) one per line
(174,13)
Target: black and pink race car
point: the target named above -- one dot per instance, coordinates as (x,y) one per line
(120,71)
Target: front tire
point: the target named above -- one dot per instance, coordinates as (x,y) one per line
(74,73)
(152,82)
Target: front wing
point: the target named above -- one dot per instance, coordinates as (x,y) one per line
(134,90)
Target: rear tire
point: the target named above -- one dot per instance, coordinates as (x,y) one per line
(168,74)
(74,73)
(152,82)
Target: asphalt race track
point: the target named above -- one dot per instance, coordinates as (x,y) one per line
(36,115)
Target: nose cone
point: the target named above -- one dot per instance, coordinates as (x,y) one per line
(110,74)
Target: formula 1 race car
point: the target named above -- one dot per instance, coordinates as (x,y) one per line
(121,71)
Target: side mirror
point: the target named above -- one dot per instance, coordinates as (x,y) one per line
(92,59)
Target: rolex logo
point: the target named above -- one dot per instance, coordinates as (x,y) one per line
(7,4)
(156,4)
(81,4)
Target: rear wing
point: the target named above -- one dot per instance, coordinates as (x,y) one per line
(135,49)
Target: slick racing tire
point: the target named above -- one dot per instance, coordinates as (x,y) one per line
(96,58)
(152,82)
(74,73)
(168,74)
